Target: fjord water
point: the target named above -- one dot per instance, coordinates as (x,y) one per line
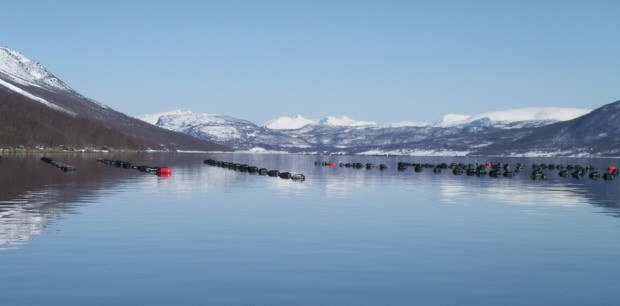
(208,235)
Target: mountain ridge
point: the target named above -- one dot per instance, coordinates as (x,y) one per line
(39,110)
(28,72)
(471,137)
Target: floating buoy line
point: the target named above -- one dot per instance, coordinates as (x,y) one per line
(59,165)
(492,169)
(255,170)
(350,165)
(160,171)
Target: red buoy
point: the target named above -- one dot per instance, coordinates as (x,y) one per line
(164,171)
(611,169)
(332,164)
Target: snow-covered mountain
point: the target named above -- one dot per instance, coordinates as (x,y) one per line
(531,115)
(17,71)
(236,133)
(595,133)
(512,118)
(454,134)
(20,69)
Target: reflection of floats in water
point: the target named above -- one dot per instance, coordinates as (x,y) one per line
(189,180)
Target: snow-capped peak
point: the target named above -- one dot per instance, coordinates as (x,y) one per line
(288,123)
(25,71)
(516,115)
(344,121)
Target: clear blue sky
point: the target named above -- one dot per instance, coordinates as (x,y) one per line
(382,60)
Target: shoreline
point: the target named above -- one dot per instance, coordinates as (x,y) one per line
(91,151)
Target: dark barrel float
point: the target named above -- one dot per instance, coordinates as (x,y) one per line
(57,164)
(285,175)
(263,171)
(298,177)
(507,170)
(495,169)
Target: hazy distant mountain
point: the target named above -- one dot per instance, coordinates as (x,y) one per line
(501,133)
(528,116)
(39,110)
(597,132)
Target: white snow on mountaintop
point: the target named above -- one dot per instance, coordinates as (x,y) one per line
(288,123)
(219,127)
(182,117)
(177,118)
(25,71)
(536,114)
(516,115)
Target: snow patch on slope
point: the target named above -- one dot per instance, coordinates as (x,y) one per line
(35,98)
(288,123)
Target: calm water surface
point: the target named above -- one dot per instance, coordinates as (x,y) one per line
(208,235)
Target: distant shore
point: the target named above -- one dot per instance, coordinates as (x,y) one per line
(109,150)
(23,150)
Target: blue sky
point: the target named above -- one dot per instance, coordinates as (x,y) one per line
(371,60)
